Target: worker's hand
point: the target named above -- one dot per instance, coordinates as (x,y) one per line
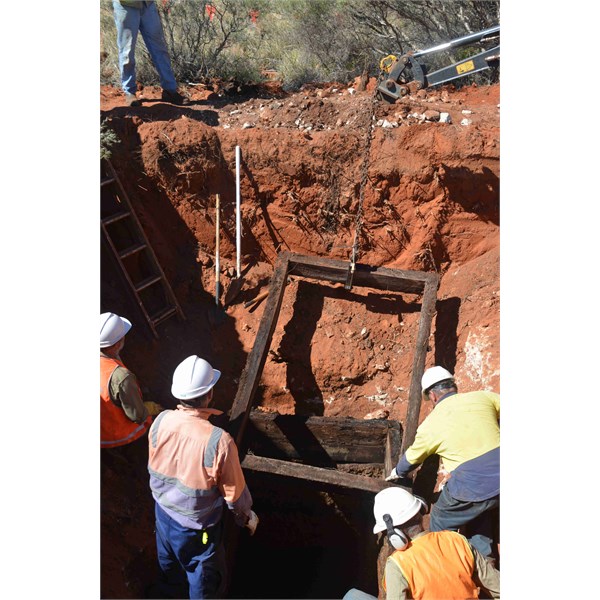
(393,475)
(153,408)
(252,523)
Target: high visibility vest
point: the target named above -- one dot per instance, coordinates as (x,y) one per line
(438,565)
(115,428)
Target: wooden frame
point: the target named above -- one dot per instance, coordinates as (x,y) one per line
(415,282)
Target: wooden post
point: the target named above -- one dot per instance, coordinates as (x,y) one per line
(414,397)
(256,359)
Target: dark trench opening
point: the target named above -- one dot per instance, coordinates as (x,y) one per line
(310,543)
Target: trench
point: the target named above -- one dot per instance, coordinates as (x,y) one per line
(312,541)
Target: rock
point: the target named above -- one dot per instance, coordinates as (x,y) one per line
(431,115)
(377,414)
(247,125)
(445,118)
(466,112)
(351,91)
(386,124)
(466,122)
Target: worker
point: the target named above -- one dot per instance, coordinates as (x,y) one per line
(424,564)
(133,17)
(124,416)
(194,471)
(464,430)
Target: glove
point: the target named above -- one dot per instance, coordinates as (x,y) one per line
(393,475)
(153,408)
(252,523)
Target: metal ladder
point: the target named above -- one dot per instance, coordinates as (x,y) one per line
(125,236)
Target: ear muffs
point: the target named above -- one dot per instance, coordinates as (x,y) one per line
(395,536)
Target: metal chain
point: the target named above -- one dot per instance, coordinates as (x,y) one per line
(361,195)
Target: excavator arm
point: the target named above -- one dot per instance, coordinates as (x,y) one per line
(409,73)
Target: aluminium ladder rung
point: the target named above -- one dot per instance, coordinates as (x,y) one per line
(132,250)
(114,218)
(142,285)
(162,315)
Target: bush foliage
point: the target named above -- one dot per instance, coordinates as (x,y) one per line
(302,40)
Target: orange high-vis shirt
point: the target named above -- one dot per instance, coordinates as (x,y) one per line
(115,428)
(438,565)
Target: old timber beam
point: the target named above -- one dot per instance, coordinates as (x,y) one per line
(323,440)
(329,477)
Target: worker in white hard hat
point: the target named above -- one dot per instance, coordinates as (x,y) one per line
(464,430)
(124,416)
(424,564)
(194,473)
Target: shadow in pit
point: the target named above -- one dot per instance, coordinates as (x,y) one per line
(310,543)
(446,336)
(153,362)
(160,111)
(295,347)
(478,193)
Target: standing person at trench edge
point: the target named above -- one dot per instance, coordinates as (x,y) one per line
(124,416)
(464,430)
(133,17)
(194,471)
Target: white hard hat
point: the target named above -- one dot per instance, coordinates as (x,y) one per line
(193,377)
(112,329)
(397,502)
(434,375)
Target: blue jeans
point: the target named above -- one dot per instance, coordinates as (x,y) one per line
(191,566)
(145,20)
(475,518)
(354,594)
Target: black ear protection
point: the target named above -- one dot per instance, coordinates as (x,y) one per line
(396,537)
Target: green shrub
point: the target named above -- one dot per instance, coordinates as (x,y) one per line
(108,138)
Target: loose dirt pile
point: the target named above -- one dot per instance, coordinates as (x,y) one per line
(431,202)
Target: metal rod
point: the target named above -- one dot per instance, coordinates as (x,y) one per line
(217,258)
(238,216)
(462,41)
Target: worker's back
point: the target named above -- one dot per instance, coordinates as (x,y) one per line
(464,430)
(467,426)
(183,452)
(438,565)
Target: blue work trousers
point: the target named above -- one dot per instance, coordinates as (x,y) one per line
(474,518)
(191,561)
(145,20)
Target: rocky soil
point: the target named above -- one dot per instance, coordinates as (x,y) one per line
(429,170)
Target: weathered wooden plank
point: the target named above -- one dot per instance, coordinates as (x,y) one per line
(364,275)
(256,359)
(414,398)
(322,440)
(314,474)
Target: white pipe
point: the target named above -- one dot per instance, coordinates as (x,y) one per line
(217,253)
(238,216)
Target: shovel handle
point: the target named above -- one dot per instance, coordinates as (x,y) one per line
(256,300)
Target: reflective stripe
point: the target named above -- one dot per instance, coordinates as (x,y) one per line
(132,434)
(188,491)
(211,448)
(154,428)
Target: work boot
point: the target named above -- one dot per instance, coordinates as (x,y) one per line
(131,100)
(174,97)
